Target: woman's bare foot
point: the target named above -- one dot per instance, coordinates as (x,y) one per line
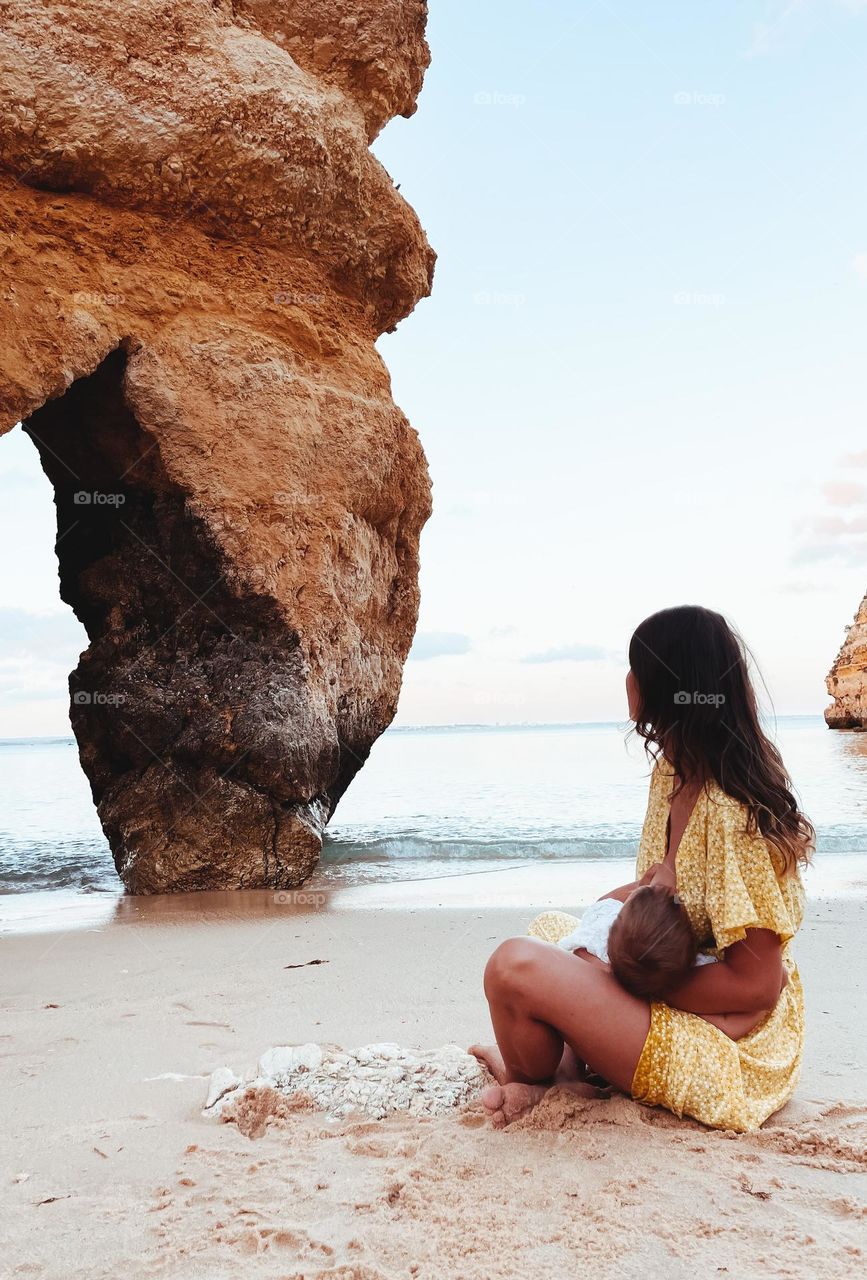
(490,1057)
(506,1102)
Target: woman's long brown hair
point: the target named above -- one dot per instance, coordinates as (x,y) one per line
(698,709)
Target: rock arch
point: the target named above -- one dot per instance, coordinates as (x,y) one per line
(239,501)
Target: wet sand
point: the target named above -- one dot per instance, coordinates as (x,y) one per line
(522,887)
(111,1030)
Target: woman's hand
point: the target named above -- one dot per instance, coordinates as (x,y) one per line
(748,978)
(661,876)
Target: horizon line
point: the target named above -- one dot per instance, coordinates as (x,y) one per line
(456,725)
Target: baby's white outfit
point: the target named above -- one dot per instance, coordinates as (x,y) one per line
(592,931)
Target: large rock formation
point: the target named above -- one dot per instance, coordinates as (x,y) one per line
(847,679)
(199,253)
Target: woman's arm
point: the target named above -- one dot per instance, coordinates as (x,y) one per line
(748,978)
(735,1025)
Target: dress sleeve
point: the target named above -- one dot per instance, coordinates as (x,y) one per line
(743,890)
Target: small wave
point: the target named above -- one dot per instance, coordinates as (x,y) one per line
(32,866)
(841,838)
(86,865)
(416,846)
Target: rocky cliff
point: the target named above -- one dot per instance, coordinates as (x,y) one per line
(847,679)
(199,254)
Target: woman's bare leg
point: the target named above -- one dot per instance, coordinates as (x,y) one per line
(541,999)
(569,1068)
(569,1072)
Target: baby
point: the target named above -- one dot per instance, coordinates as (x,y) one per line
(646,939)
(648,942)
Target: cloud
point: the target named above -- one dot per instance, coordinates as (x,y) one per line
(472,502)
(859,262)
(770,36)
(438,644)
(793,588)
(790,22)
(837,535)
(37,651)
(852,553)
(42,635)
(844,493)
(28,680)
(837,527)
(569,653)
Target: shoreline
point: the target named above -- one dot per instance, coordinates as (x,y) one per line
(568,884)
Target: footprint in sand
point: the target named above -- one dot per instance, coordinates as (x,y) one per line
(261,1239)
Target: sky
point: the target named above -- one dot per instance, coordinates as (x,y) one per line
(640,380)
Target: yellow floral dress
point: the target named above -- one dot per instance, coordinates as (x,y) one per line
(729,881)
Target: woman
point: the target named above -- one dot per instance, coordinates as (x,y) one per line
(723,821)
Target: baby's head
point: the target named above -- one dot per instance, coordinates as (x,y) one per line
(651,945)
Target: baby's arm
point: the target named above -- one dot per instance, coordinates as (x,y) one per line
(735,1025)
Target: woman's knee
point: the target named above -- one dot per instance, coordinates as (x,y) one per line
(512,968)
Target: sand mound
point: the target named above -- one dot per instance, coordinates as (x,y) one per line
(374,1080)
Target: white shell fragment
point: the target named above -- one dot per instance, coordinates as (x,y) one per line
(286,1059)
(222,1080)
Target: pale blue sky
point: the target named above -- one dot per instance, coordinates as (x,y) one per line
(644,358)
(643,367)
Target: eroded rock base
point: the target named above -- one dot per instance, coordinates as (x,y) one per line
(205,749)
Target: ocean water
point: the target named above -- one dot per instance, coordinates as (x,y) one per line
(435,803)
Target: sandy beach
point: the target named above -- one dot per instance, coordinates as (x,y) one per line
(111,1030)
